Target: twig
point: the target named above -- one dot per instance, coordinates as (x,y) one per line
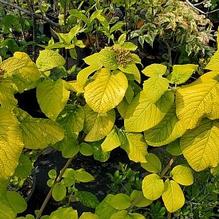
(39,16)
(200,3)
(58,179)
(168,166)
(199,10)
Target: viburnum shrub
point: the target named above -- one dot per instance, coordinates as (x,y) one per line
(106,107)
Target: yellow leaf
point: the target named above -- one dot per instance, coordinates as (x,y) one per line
(182,175)
(38,133)
(106,91)
(11,143)
(49,59)
(88,215)
(154,70)
(173,196)
(213,63)
(111,141)
(200,146)
(155,87)
(195,101)
(22,70)
(75,86)
(152,186)
(181,73)
(97,125)
(52,97)
(136,147)
(83,75)
(143,114)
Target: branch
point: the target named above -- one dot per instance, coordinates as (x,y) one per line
(191,5)
(39,16)
(57,180)
(199,10)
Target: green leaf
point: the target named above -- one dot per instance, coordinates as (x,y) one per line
(120,201)
(143,114)
(108,59)
(59,192)
(120,215)
(97,125)
(52,97)
(111,141)
(132,69)
(11,143)
(173,196)
(69,177)
(21,70)
(104,210)
(52,174)
(154,70)
(174,148)
(17,202)
(181,73)
(64,213)
(88,215)
(182,175)
(106,91)
(152,186)
(135,147)
(98,153)
(129,46)
(5,209)
(137,199)
(86,149)
(72,118)
(24,167)
(122,38)
(69,145)
(168,130)
(83,176)
(195,101)
(200,146)
(49,59)
(39,133)
(117,26)
(87,199)
(152,164)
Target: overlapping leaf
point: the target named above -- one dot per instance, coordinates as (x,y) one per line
(39,133)
(195,101)
(169,129)
(52,97)
(173,196)
(136,147)
(21,70)
(11,143)
(106,91)
(97,125)
(143,114)
(200,146)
